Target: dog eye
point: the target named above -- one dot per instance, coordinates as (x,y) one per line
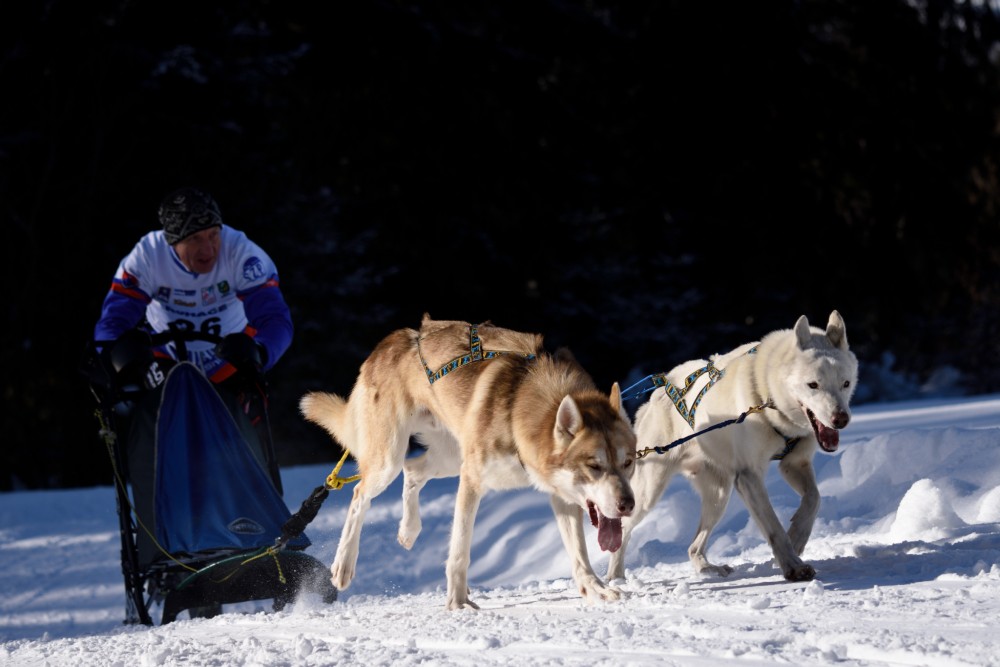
(847,383)
(594,467)
(813,385)
(628,463)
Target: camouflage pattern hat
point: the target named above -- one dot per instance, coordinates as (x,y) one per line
(187,211)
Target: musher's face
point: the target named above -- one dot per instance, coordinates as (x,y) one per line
(200,251)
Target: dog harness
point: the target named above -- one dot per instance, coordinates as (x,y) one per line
(678,394)
(790,443)
(476,353)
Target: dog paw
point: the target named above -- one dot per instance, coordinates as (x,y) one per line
(461,603)
(716,570)
(408,533)
(597,591)
(803,572)
(341,576)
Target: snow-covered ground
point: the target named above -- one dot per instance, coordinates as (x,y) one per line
(907,550)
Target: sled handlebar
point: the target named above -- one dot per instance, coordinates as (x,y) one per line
(178,335)
(172,336)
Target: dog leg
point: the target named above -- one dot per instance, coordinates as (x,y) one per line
(344,563)
(569,518)
(442,459)
(379,468)
(802,478)
(460,547)
(750,486)
(714,488)
(414,478)
(648,483)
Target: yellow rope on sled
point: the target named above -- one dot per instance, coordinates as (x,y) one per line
(270,551)
(334,481)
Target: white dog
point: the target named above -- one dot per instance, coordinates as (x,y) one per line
(493,408)
(804,377)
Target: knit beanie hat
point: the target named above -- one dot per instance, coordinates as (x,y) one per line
(186,211)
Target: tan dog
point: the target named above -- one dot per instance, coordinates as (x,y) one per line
(806,377)
(496,410)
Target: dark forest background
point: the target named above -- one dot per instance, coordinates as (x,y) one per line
(645,182)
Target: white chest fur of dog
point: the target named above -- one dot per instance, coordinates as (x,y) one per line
(496,410)
(807,376)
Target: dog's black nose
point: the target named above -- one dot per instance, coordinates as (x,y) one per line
(626,505)
(840,419)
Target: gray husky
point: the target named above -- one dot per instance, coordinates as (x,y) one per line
(804,378)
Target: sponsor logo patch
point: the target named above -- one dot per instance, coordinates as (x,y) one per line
(245,526)
(253,269)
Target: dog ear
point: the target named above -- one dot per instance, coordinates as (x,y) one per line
(616,401)
(836,330)
(802,333)
(568,422)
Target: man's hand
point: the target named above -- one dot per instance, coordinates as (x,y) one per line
(131,356)
(243,352)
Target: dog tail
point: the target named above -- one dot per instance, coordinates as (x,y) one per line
(329,411)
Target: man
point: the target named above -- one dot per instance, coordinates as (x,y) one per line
(198,275)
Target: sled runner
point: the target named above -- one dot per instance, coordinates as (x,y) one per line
(201,515)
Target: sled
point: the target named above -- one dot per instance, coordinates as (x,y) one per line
(201,514)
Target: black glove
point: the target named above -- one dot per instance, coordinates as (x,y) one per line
(243,352)
(131,356)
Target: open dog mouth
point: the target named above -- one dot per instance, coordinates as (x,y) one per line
(828,438)
(609,531)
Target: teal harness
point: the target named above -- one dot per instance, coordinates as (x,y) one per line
(678,395)
(476,353)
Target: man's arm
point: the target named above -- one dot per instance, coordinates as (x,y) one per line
(122,311)
(268,314)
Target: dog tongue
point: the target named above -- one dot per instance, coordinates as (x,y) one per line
(609,534)
(829,438)
(609,531)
